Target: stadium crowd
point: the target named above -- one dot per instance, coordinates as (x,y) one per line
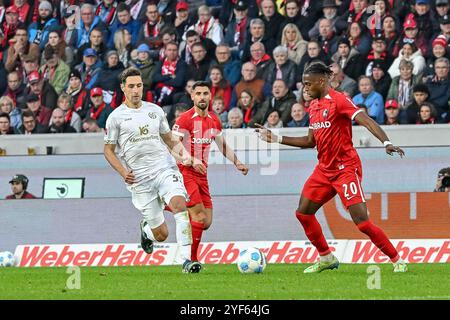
(60,60)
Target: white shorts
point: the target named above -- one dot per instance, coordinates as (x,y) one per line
(151,197)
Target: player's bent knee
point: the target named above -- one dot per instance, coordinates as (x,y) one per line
(178,204)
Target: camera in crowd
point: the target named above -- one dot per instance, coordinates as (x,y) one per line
(443,180)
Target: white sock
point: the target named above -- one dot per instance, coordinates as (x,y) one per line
(148,231)
(183,234)
(327,258)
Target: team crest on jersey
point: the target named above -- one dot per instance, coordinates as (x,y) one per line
(152,115)
(325,113)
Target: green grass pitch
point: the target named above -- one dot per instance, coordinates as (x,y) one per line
(279,281)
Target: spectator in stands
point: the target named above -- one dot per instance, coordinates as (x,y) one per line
(145,64)
(392,111)
(257,35)
(220,87)
(18,48)
(442,182)
(96,42)
(300,118)
(122,44)
(412,34)
(207,26)
(357,13)
(170,75)
(408,52)
(89,68)
(42,113)
(420,95)
(260,59)
(341,82)
(198,68)
(238,28)
(5,124)
(70,116)
(90,125)
(99,110)
(427,114)
(38,31)
(9,27)
(64,52)
(380,11)
(329,11)
(107,11)
(248,105)
(168,34)
(108,77)
(178,109)
(271,18)
(292,39)
(249,82)
(235,119)
(16,88)
(327,38)
(43,89)
(439,50)
(380,78)
(19,185)
(348,59)
(24,9)
(441,9)
(29,124)
(294,15)
(79,95)
(55,70)
(439,88)
(378,52)
(3,80)
(390,33)
(370,98)
(314,53)
(360,38)
(422,14)
(444,26)
(273,120)
(29,64)
(8,106)
(150,30)
(282,68)
(58,123)
(282,100)
(88,22)
(218,106)
(231,67)
(193,37)
(184,97)
(71,32)
(181,18)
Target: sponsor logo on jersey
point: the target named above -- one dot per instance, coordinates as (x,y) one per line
(143,130)
(321,125)
(202,140)
(325,113)
(152,115)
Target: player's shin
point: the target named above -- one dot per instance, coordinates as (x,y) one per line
(314,233)
(183,234)
(197,231)
(379,238)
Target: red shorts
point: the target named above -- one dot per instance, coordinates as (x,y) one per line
(197,189)
(322,186)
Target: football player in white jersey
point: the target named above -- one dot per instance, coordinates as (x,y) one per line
(139,129)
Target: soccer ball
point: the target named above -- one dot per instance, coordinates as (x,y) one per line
(251,260)
(6,259)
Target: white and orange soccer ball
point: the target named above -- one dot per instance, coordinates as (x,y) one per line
(251,260)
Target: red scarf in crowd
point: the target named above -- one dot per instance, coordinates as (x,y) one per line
(95,113)
(8,31)
(111,15)
(168,69)
(23,11)
(151,31)
(266,57)
(68,117)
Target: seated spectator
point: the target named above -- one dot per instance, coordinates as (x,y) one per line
(55,70)
(70,116)
(218,107)
(30,63)
(327,38)
(300,118)
(237,29)
(169,76)
(413,33)
(7,105)
(408,52)
(145,64)
(71,32)
(125,22)
(392,111)
(58,123)
(88,22)
(191,38)
(42,113)
(378,53)
(99,110)
(19,185)
(79,95)
(123,46)
(207,26)
(198,67)
(231,68)
(427,114)
(185,96)
(292,39)
(357,12)
(89,68)
(220,87)
(359,38)
(19,47)
(304,18)
(90,125)
(248,105)
(96,42)
(282,100)
(260,59)
(341,82)
(329,11)
(16,88)
(62,51)
(439,88)
(5,124)
(282,68)
(390,33)
(108,78)
(178,110)
(369,97)
(257,35)
(271,18)
(420,95)
(29,124)
(248,82)
(348,59)
(401,88)
(43,89)
(439,50)
(314,53)
(235,119)
(168,34)
(181,18)
(9,26)
(107,11)
(273,120)
(150,30)
(38,31)
(380,78)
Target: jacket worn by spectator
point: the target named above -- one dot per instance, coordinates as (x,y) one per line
(38,31)
(65,128)
(26,195)
(108,77)
(439,96)
(83,34)
(60,75)
(231,70)
(382,86)
(283,105)
(288,70)
(374,103)
(132,27)
(352,65)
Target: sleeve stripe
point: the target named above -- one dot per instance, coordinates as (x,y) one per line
(356,113)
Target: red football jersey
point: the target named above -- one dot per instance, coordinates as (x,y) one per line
(330,118)
(198,133)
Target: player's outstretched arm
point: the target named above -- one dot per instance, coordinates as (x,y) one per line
(111,157)
(364,120)
(300,142)
(230,155)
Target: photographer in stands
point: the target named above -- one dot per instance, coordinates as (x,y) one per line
(443,180)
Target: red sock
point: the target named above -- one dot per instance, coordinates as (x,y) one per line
(379,238)
(197,230)
(314,232)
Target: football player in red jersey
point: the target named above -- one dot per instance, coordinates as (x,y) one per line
(339,169)
(199,128)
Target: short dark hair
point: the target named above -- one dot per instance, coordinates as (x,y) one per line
(191,33)
(318,68)
(5,115)
(201,84)
(122,6)
(28,113)
(129,72)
